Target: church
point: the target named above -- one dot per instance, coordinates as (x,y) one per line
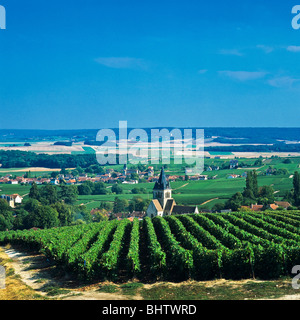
(163,203)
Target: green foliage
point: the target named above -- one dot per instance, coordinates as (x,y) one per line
(204,246)
(133,256)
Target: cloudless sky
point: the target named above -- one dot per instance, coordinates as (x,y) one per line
(182,63)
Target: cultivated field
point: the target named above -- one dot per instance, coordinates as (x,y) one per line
(201,247)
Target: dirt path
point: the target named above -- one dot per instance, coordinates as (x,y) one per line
(37,272)
(208,201)
(181,186)
(49,282)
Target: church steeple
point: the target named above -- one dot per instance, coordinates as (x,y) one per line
(162,190)
(162,182)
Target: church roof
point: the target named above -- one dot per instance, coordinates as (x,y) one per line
(183,209)
(157,205)
(169,205)
(162,182)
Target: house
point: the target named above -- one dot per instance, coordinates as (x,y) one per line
(256,207)
(12,199)
(150,171)
(127,172)
(54,182)
(244,174)
(13,182)
(130,182)
(138,214)
(163,203)
(233,164)
(283,204)
(233,176)
(70,182)
(273,206)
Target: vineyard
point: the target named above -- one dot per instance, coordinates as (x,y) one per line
(175,248)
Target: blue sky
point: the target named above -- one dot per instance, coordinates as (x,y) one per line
(89,64)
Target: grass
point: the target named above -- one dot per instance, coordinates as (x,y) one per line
(220,290)
(55,290)
(108,288)
(15,288)
(10,189)
(130,289)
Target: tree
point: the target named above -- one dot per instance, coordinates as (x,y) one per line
(108,206)
(235,202)
(48,194)
(65,214)
(251,190)
(43,217)
(100,215)
(6,216)
(131,206)
(99,188)
(135,190)
(54,174)
(81,212)
(117,189)
(20,219)
(68,194)
(134,176)
(266,195)
(119,205)
(84,189)
(218,207)
(296,184)
(34,192)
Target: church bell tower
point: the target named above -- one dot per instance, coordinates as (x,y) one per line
(162,190)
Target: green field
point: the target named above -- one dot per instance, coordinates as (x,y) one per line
(188,192)
(11,189)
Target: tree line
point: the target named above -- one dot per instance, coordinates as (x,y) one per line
(46,207)
(24,159)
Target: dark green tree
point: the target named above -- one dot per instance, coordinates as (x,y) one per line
(34,192)
(296,184)
(235,202)
(65,214)
(119,206)
(43,217)
(6,216)
(117,189)
(48,194)
(266,195)
(68,194)
(84,189)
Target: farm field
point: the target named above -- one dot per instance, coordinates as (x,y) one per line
(173,248)
(11,189)
(184,192)
(196,192)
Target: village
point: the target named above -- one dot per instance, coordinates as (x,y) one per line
(162,203)
(111,176)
